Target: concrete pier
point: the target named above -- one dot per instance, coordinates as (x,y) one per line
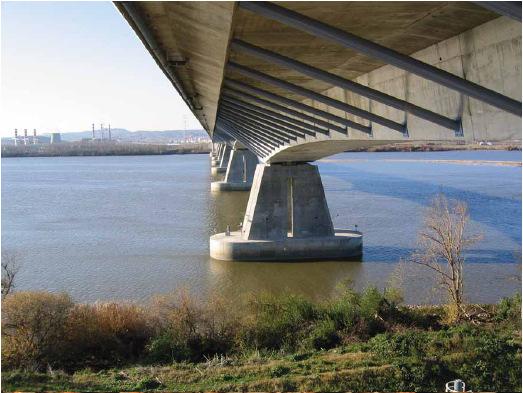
(221,167)
(287,218)
(216,155)
(240,170)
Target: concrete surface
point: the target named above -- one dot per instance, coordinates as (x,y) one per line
(217,186)
(226,154)
(200,32)
(344,244)
(217,170)
(287,198)
(287,218)
(240,171)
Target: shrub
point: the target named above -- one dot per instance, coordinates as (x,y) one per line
(324,335)
(33,329)
(188,331)
(276,322)
(406,344)
(509,309)
(106,334)
(365,314)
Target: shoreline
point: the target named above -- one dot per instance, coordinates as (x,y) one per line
(88,149)
(457,162)
(82,149)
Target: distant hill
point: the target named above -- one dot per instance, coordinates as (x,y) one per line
(136,136)
(133,136)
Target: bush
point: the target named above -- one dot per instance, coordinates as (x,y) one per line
(106,334)
(41,330)
(509,310)
(188,331)
(407,344)
(276,322)
(33,329)
(324,335)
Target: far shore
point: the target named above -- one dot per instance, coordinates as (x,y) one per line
(81,149)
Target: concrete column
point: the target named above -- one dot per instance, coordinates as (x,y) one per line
(287,218)
(288,202)
(212,153)
(240,171)
(225,156)
(215,158)
(224,159)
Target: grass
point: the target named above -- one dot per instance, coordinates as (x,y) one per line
(323,370)
(357,367)
(355,342)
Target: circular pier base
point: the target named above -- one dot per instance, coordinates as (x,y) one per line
(230,186)
(345,244)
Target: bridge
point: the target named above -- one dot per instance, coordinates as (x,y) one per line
(280,85)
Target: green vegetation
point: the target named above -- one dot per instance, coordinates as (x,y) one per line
(363,341)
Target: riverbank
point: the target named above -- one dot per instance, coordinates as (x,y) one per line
(356,341)
(79,149)
(438,146)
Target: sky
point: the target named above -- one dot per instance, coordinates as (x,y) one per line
(66,65)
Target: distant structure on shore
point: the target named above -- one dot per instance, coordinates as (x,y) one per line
(56,137)
(109,135)
(102,134)
(25,140)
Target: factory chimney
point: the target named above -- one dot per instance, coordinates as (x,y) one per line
(93,133)
(34,136)
(102,130)
(109,131)
(16,136)
(25,136)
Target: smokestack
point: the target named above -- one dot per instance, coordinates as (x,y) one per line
(16,136)
(25,136)
(34,136)
(109,131)
(102,130)
(93,133)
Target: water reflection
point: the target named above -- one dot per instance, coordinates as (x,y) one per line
(315,280)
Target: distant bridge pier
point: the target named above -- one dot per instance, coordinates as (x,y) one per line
(240,170)
(287,218)
(223,160)
(213,150)
(215,155)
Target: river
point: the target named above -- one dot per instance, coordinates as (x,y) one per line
(104,228)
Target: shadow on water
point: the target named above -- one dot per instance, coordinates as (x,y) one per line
(483,208)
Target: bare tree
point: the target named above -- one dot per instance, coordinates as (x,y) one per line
(10,268)
(440,247)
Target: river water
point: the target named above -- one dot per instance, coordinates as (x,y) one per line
(105,228)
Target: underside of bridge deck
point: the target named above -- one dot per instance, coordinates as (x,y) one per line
(297,81)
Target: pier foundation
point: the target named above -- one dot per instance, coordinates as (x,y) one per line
(240,171)
(287,218)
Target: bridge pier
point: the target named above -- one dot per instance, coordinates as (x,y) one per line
(221,167)
(287,218)
(240,170)
(215,155)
